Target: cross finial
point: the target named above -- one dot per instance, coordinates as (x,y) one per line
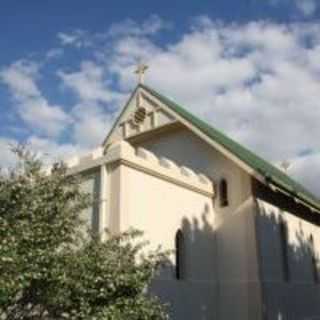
(140,71)
(285,165)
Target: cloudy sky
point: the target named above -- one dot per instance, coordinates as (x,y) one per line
(249,67)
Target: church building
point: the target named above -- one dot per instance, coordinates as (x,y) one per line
(245,235)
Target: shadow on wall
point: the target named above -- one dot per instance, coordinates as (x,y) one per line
(291,288)
(289,266)
(188,284)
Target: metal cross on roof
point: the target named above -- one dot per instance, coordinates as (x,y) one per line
(140,71)
(285,165)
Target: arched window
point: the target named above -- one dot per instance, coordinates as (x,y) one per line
(314,261)
(179,246)
(284,250)
(223,191)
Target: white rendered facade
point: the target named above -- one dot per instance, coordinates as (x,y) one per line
(161,175)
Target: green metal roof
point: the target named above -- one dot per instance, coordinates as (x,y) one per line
(261,166)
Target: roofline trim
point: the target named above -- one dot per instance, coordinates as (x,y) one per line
(104,143)
(260,176)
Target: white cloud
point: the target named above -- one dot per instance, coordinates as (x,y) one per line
(7,158)
(46,150)
(20,77)
(32,107)
(258,81)
(307,170)
(67,39)
(88,83)
(150,26)
(307,7)
(50,151)
(91,125)
(54,53)
(40,116)
(76,38)
(95,110)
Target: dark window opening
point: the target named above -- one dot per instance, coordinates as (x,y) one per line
(284,249)
(179,246)
(314,261)
(223,190)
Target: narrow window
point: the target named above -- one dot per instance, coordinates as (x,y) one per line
(223,190)
(179,246)
(284,249)
(314,261)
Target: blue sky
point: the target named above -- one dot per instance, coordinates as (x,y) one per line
(250,67)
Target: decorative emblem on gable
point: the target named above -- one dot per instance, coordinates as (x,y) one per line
(143,114)
(139,115)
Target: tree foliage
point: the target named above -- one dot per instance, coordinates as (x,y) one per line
(48,270)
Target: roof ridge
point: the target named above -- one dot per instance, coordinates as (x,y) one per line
(262,166)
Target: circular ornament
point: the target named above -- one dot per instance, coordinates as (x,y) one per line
(140,115)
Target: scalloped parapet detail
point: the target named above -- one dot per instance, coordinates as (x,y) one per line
(167,163)
(142,159)
(146,154)
(187,172)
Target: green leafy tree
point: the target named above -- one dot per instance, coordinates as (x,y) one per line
(49,270)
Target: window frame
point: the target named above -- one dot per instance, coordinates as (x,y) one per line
(179,255)
(283,230)
(224,193)
(314,262)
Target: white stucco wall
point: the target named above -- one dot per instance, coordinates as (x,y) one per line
(229,250)
(185,148)
(299,297)
(221,268)
(159,209)
(236,287)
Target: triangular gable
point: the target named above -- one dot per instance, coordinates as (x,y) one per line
(167,112)
(141,114)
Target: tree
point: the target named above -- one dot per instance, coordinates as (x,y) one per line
(49,270)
